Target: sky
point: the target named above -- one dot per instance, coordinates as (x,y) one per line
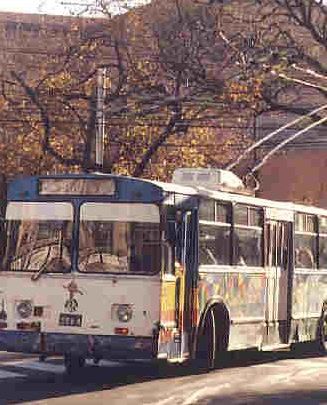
(49,6)
(52,6)
(33,6)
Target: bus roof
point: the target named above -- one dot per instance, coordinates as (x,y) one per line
(27,189)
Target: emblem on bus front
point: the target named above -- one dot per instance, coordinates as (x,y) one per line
(71,304)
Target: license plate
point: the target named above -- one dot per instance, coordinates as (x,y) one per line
(70,320)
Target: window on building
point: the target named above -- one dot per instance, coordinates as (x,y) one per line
(305,241)
(11,29)
(215,233)
(248,236)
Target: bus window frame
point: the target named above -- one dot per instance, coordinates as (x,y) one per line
(315,234)
(218,224)
(120,273)
(253,227)
(72,221)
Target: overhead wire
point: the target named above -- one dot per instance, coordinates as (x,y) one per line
(272,134)
(286,141)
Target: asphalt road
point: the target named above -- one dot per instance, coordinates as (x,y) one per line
(251,378)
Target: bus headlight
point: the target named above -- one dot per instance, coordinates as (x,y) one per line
(122,312)
(24,309)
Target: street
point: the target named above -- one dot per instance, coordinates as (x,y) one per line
(247,378)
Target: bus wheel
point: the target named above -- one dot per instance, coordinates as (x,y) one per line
(213,338)
(73,363)
(322,335)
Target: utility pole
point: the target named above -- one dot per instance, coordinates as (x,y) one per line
(100,118)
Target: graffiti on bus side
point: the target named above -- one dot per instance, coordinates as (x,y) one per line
(309,292)
(244,294)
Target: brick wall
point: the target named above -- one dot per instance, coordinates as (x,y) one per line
(296,175)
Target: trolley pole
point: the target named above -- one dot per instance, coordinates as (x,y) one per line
(100,118)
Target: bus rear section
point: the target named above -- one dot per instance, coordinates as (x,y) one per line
(81,279)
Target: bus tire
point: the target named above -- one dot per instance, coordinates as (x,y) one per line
(213,336)
(73,363)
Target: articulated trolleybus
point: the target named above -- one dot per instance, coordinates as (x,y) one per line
(110,267)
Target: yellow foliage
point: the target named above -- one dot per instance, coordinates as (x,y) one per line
(208,142)
(59,81)
(3,103)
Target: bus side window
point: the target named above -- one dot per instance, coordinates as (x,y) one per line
(305,241)
(248,236)
(214,233)
(323,242)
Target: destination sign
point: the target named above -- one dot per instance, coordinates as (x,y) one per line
(77,187)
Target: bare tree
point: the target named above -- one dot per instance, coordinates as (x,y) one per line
(172,66)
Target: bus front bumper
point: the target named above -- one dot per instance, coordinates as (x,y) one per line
(97,346)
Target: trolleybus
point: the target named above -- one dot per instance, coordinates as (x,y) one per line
(110,267)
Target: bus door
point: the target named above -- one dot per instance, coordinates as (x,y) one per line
(186,264)
(178,285)
(279,243)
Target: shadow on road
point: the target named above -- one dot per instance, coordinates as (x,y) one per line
(302,397)
(42,386)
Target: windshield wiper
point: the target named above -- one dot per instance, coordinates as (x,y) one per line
(37,275)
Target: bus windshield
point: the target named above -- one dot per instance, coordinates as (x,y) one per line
(119,238)
(38,237)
